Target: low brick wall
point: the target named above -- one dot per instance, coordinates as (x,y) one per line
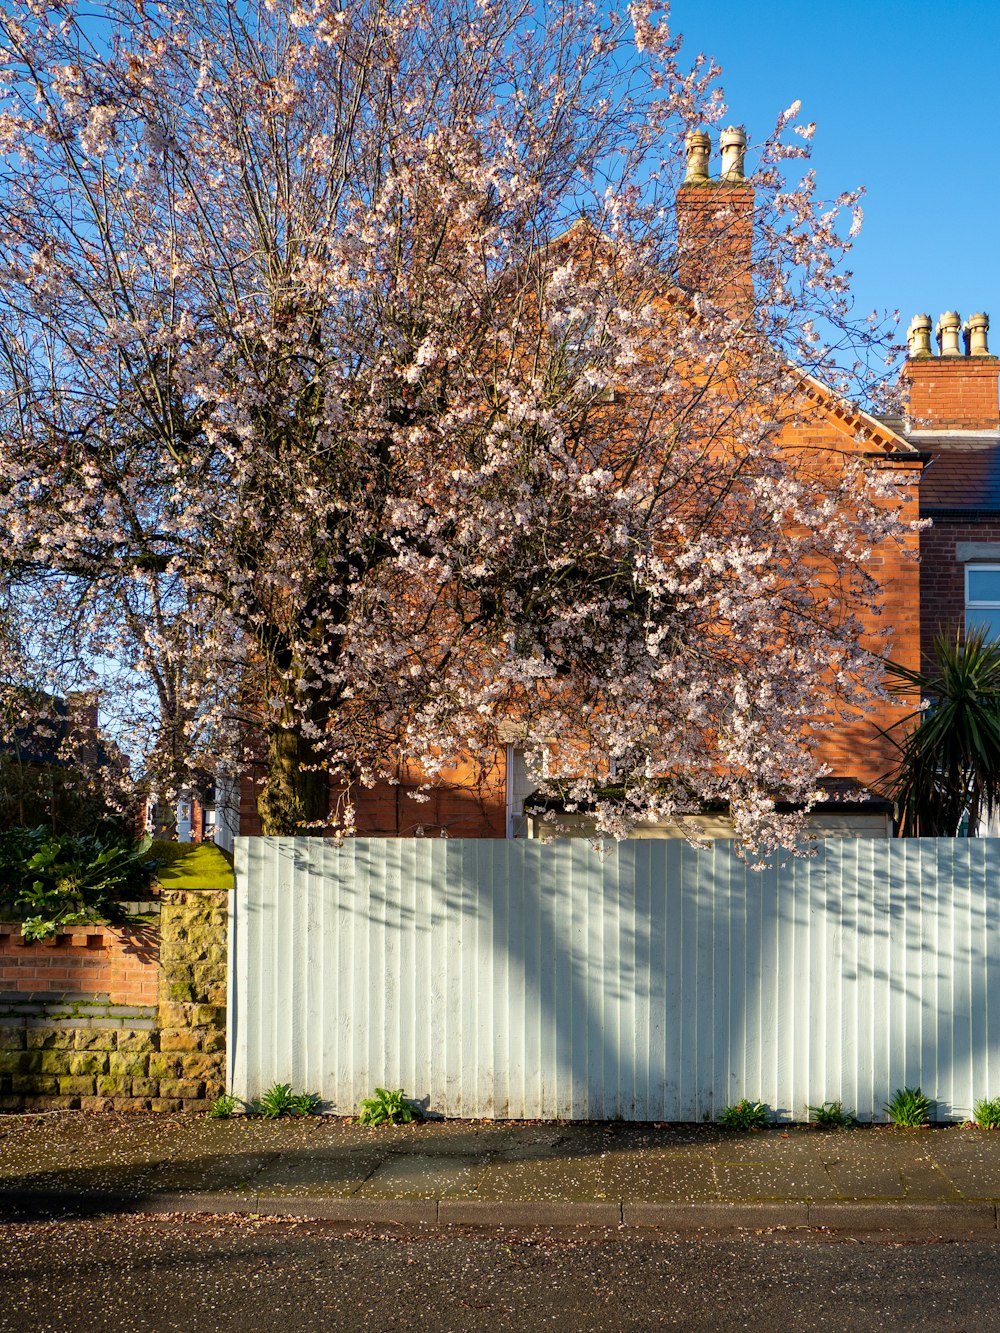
(122,963)
(123,1019)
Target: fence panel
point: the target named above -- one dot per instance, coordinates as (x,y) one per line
(653,981)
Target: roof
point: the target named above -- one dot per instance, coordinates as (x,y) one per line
(882,433)
(42,739)
(963,476)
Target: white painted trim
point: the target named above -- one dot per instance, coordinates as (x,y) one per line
(925,433)
(509,789)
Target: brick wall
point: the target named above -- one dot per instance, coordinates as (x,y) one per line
(942,577)
(87,960)
(462,803)
(958,393)
(715,224)
(135,1022)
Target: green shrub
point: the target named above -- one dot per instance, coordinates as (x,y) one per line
(830,1115)
(987,1113)
(50,880)
(223,1107)
(745,1115)
(909,1108)
(389,1108)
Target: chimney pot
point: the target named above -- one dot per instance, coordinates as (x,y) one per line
(698,147)
(918,336)
(949,328)
(976,330)
(733,145)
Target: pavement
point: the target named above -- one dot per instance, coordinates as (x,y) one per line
(942,1180)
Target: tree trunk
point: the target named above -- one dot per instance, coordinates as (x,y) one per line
(295,799)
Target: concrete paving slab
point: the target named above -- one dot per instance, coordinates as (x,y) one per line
(925,1180)
(463,1137)
(203,1135)
(311,1174)
(94,1162)
(547,1180)
(661,1175)
(422,1176)
(95,1180)
(774,1180)
(884,1143)
(974,1182)
(870,1179)
(79,1147)
(234,1171)
(797,1145)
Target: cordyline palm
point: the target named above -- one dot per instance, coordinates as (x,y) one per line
(949,763)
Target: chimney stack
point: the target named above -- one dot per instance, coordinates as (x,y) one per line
(957,390)
(715,224)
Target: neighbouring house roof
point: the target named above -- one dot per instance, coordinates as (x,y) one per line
(42,740)
(963,475)
(882,434)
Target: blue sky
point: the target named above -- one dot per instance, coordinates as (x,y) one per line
(905,100)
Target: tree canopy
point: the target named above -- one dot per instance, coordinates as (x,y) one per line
(353,396)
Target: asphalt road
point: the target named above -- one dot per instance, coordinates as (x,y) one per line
(148,1274)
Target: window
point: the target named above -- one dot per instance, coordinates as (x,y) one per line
(982,598)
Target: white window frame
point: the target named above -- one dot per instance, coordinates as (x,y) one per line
(979,604)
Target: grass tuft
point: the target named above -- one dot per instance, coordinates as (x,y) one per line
(909,1108)
(986,1113)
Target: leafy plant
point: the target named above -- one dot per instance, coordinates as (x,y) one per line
(389,1108)
(909,1108)
(830,1115)
(744,1115)
(306,1103)
(948,768)
(51,880)
(986,1113)
(279,1100)
(223,1107)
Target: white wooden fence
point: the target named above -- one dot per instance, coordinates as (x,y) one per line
(655,982)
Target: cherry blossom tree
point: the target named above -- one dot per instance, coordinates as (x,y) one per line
(358,394)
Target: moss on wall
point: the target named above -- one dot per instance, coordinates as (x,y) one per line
(188,865)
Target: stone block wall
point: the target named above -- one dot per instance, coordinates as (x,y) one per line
(93,1047)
